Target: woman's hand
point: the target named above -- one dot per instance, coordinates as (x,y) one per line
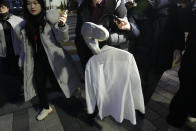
(63,19)
(123,24)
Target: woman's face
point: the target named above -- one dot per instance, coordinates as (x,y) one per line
(3,9)
(33,7)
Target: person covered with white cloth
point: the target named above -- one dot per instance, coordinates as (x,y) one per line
(112,79)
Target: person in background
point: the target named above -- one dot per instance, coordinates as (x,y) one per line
(79,2)
(183,105)
(109,13)
(154,48)
(129,5)
(10,46)
(44,57)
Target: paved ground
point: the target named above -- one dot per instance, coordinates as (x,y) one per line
(70,114)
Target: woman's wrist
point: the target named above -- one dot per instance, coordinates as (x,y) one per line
(61,24)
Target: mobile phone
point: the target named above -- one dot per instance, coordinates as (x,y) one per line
(63,12)
(116,19)
(130,4)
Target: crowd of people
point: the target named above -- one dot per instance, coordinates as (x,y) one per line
(152,30)
(156,38)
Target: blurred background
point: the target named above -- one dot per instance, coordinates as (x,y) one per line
(71,5)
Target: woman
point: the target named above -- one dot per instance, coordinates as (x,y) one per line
(183,105)
(10,46)
(44,58)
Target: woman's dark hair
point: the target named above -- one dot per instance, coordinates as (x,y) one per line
(33,23)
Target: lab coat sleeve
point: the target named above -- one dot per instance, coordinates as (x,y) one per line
(136,86)
(89,89)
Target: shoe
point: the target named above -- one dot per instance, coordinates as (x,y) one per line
(44,113)
(191,119)
(174,129)
(93,45)
(94,31)
(92,34)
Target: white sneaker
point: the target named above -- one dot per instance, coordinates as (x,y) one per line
(93,45)
(44,113)
(174,129)
(94,31)
(191,119)
(92,34)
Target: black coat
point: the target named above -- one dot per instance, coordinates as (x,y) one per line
(153,49)
(188,64)
(183,102)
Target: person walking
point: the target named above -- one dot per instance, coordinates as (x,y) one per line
(10,47)
(154,48)
(42,33)
(183,105)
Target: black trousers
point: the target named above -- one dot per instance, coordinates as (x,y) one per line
(11,80)
(149,81)
(3,67)
(42,73)
(183,103)
(9,66)
(84,53)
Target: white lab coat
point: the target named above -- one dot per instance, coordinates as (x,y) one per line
(112,82)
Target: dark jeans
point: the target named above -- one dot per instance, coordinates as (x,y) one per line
(183,103)
(42,73)
(9,66)
(149,81)
(10,79)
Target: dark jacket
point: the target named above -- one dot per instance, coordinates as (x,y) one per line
(188,63)
(153,49)
(84,15)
